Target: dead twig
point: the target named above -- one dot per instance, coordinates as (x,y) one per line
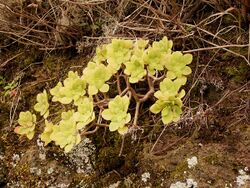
(8,60)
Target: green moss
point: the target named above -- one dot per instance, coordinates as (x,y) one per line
(239,73)
(226,56)
(109,165)
(53,63)
(213,159)
(108,159)
(178,173)
(228,19)
(28,57)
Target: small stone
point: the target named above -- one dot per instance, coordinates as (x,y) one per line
(191,183)
(33,170)
(200,144)
(178,185)
(115,185)
(42,156)
(242,178)
(39,143)
(145,176)
(50,170)
(38,172)
(16,157)
(192,162)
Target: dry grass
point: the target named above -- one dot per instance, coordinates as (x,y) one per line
(56,24)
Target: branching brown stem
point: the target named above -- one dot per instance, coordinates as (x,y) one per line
(102,125)
(86,132)
(151,90)
(124,91)
(102,103)
(133,92)
(157,79)
(92,132)
(97,124)
(139,98)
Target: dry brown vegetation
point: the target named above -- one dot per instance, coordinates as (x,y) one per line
(41,40)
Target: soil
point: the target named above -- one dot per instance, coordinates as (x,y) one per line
(214,127)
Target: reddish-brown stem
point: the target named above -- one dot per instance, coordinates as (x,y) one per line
(101,125)
(86,130)
(137,109)
(124,91)
(96,124)
(105,96)
(97,98)
(102,103)
(134,94)
(118,85)
(156,79)
(91,132)
(151,90)
(122,146)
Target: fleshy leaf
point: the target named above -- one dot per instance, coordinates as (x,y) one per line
(66,134)
(113,126)
(104,88)
(42,104)
(30,135)
(85,113)
(118,52)
(96,74)
(45,136)
(117,113)
(166,119)
(169,100)
(73,89)
(157,55)
(135,67)
(157,107)
(123,130)
(107,114)
(27,122)
(177,65)
(141,44)
(101,54)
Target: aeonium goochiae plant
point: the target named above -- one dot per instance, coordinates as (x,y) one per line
(108,93)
